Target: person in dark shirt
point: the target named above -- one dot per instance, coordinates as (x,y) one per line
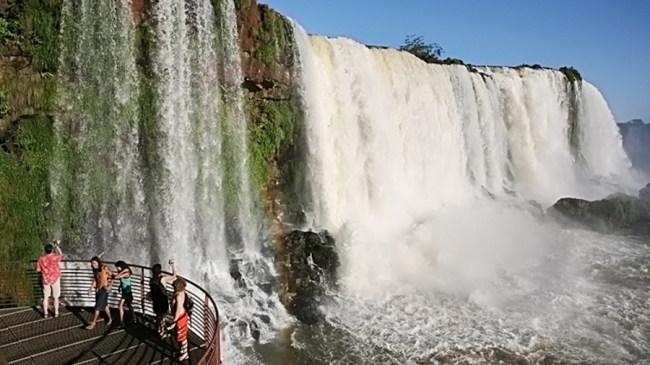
(158,295)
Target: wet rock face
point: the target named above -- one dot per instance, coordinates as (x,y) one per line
(311,261)
(266,51)
(617,213)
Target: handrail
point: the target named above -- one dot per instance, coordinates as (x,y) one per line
(20,286)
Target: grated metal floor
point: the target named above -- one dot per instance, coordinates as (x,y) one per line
(26,338)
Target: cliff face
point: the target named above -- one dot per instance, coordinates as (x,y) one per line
(29,55)
(29,50)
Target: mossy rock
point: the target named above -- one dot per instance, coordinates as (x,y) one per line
(571,74)
(271,128)
(25,161)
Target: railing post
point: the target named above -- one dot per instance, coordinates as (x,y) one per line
(206,319)
(142,291)
(218,341)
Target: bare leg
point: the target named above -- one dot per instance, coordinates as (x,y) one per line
(130,305)
(45,303)
(92,324)
(183,354)
(122,311)
(108,314)
(56,307)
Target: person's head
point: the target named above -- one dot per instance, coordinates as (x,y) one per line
(96,263)
(121,266)
(49,249)
(156,269)
(179,285)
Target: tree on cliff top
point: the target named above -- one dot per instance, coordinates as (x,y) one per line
(427,52)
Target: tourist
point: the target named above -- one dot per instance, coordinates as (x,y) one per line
(48,266)
(124,275)
(102,284)
(158,295)
(181,316)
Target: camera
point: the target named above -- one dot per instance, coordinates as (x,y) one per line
(56,242)
(171,262)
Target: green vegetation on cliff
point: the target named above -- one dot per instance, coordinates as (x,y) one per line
(571,74)
(30,33)
(36,25)
(4,104)
(271,128)
(274,38)
(427,52)
(24,189)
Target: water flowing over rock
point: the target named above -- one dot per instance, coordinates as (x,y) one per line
(310,259)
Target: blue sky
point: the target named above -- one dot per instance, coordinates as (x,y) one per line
(608,41)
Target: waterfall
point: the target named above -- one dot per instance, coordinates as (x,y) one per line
(190,217)
(151,160)
(97,185)
(394,138)
(425,174)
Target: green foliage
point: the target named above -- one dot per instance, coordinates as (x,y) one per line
(38,27)
(271,128)
(4,29)
(452,61)
(24,189)
(534,67)
(241,4)
(427,52)
(571,74)
(273,38)
(4,104)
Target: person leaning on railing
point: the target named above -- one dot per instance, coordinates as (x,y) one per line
(124,276)
(48,266)
(102,284)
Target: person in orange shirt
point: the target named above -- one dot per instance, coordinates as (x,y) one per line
(102,284)
(48,266)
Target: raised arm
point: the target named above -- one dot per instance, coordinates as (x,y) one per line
(166,279)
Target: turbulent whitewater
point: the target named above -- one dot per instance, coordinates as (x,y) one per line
(433,180)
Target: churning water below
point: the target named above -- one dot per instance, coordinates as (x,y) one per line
(579,297)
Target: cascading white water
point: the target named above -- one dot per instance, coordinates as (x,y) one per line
(151,160)
(96,181)
(422,173)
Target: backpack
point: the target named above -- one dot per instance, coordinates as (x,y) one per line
(188,304)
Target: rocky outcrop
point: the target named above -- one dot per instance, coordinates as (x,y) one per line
(266,51)
(617,213)
(308,262)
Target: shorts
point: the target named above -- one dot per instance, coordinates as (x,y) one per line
(101,299)
(54,290)
(127,296)
(181,328)
(161,305)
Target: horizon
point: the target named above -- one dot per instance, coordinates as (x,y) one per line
(606,43)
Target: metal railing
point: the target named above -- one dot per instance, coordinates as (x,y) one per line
(20,285)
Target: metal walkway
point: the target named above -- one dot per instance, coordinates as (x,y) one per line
(26,338)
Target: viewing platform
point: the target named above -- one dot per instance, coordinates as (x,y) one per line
(26,338)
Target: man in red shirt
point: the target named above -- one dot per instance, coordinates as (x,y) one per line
(48,266)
